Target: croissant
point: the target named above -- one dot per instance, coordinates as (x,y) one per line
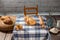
(19,27)
(29,20)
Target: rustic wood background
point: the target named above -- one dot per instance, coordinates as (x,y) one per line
(17,5)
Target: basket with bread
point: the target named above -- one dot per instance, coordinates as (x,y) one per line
(7,23)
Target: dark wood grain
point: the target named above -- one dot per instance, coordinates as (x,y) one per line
(55,37)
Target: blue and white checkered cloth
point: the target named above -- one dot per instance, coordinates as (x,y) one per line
(30,32)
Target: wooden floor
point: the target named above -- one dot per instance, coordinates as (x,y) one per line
(55,36)
(5,36)
(8,36)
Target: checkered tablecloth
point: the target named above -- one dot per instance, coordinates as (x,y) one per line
(30,32)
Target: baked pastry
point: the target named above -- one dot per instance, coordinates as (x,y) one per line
(29,20)
(7,20)
(19,27)
(41,22)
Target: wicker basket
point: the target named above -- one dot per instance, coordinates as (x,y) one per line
(4,27)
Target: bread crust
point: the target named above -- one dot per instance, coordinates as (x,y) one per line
(29,20)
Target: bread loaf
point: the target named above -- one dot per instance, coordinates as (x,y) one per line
(41,22)
(29,20)
(7,20)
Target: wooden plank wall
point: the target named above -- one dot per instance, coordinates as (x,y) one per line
(17,6)
(2,36)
